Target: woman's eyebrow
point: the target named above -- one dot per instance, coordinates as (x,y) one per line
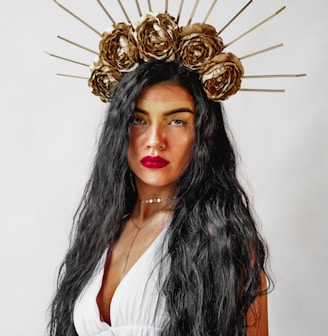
(177,110)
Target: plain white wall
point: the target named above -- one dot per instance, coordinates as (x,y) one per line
(49,126)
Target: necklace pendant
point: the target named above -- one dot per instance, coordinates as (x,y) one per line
(125,263)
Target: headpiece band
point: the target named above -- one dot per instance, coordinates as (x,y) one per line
(197,46)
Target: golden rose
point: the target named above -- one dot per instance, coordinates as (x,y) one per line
(103,78)
(221,77)
(118,47)
(157,37)
(199,43)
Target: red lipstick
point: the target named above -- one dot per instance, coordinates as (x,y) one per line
(154,162)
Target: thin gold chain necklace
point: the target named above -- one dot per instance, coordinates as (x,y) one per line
(133,240)
(150,201)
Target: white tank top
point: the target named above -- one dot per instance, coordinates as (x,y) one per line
(136,309)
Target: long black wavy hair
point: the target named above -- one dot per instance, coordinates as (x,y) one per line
(216,252)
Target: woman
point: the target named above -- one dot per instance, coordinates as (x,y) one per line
(164,241)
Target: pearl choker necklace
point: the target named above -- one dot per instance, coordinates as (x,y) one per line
(157,200)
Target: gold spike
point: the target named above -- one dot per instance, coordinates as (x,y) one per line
(105,10)
(235,17)
(77,45)
(124,12)
(180,10)
(193,12)
(261,90)
(138,7)
(71,76)
(209,11)
(76,17)
(67,59)
(273,76)
(149,6)
(256,26)
(262,51)
(166,6)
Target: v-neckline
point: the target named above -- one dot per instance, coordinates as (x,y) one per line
(127,274)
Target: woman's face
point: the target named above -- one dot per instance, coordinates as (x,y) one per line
(161,135)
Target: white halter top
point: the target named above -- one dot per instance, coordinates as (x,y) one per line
(136,309)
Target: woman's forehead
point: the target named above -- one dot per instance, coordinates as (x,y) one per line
(166,92)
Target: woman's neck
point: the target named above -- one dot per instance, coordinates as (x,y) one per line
(153,200)
(145,209)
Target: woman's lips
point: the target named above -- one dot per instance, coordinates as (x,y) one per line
(154,162)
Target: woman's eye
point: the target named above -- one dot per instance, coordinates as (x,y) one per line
(177,122)
(137,120)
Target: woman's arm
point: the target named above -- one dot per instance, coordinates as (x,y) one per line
(257,316)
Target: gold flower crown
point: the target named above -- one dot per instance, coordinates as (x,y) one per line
(197,46)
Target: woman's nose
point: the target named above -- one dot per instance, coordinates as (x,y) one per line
(156,137)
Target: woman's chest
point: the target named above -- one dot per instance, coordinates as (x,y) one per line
(135,302)
(133,247)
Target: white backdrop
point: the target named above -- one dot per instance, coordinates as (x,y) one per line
(49,126)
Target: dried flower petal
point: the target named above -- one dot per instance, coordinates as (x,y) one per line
(103,78)
(118,47)
(199,43)
(222,76)
(157,37)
